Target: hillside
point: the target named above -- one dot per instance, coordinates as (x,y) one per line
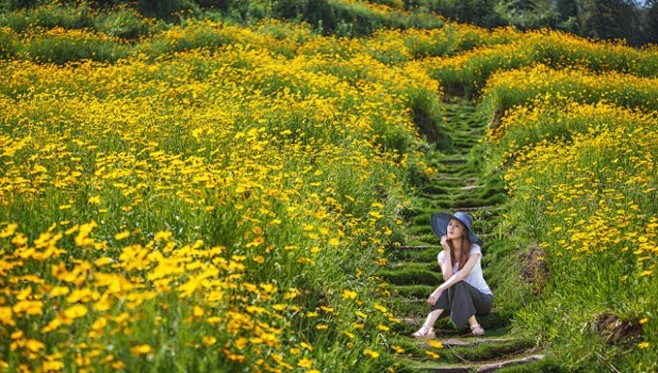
(254,197)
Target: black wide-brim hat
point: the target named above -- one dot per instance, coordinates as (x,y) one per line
(439,222)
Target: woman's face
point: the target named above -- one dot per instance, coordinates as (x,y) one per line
(455,229)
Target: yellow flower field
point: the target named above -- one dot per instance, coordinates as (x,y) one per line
(192,209)
(222,196)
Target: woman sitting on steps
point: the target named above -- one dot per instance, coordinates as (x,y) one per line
(464,292)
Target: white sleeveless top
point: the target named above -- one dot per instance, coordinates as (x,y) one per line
(475,277)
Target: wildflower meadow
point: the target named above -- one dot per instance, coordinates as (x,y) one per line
(201,195)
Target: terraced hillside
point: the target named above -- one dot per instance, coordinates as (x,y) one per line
(414,271)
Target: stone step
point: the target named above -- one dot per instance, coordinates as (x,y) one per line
(460,180)
(432,266)
(488,367)
(413,293)
(422,247)
(492,320)
(453,161)
(409,276)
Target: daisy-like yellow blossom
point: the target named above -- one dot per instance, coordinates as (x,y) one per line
(209,340)
(75,311)
(6,316)
(371,353)
(122,235)
(349,294)
(162,236)
(8,230)
(432,354)
(34,345)
(305,363)
(143,349)
(198,311)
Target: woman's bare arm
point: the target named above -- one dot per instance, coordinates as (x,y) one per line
(446,268)
(461,274)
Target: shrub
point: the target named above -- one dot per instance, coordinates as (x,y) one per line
(61,46)
(125,23)
(47,16)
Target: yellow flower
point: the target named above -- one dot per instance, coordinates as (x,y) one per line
(99,324)
(434,343)
(118,365)
(349,294)
(121,235)
(102,261)
(34,345)
(432,354)
(398,349)
(209,340)
(56,291)
(259,259)
(19,240)
(305,363)
(6,316)
(162,236)
(371,353)
(8,230)
(75,311)
(642,345)
(144,349)
(28,306)
(52,366)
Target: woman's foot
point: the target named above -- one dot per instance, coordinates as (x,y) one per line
(477,330)
(424,332)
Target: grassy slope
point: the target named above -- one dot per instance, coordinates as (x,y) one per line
(480,64)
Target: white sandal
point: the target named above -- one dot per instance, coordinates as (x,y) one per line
(477,330)
(424,332)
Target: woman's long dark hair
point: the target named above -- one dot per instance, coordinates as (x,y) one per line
(466,250)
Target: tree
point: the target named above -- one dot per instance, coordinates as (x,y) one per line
(610,19)
(651,21)
(529,14)
(567,15)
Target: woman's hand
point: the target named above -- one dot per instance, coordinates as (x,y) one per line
(444,243)
(434,297)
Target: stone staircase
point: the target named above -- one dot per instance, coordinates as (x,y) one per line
(413,270)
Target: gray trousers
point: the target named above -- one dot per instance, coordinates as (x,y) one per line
(461,301)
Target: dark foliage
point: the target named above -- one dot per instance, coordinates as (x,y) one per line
(636,22)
